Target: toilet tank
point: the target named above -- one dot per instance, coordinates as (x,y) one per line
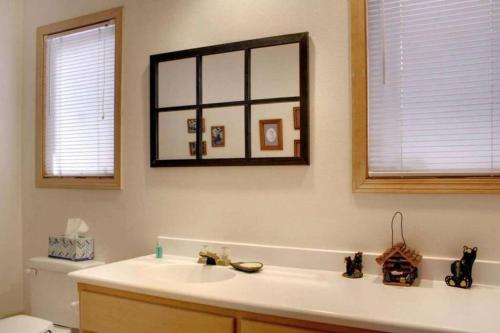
(53,295)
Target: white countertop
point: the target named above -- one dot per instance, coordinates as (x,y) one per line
(315,295)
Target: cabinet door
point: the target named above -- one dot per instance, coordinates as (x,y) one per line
(106,314)
(249,326)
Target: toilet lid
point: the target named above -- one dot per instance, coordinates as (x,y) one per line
(24,324)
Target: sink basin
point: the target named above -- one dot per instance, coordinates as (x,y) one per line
(192,273)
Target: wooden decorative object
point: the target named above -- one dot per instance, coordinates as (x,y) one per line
(271,134)
(399,263)
(191,125)
(192,148)
(296,148)
(296,117)
(218,136)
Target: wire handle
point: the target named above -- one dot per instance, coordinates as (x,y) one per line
(392,228)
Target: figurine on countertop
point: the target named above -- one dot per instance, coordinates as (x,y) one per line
(354,268)
(462,269)
(399,262)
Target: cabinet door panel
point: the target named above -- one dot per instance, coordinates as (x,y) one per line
(104,314)
(249,326)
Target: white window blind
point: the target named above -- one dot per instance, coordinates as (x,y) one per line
(434,87)
(80,102)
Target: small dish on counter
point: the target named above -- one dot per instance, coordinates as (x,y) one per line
(247,267)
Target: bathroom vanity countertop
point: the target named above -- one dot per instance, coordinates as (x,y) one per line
(314,295)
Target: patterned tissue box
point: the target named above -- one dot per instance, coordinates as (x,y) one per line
(78,249)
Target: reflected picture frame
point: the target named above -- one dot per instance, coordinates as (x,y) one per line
(296,117)
(296,148)
(271,134)
(192,148)
(218,136)
(191,125)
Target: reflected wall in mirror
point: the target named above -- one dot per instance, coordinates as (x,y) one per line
(226,135)
(177,82)
(269,114)
(243,103)
(275,71)
(224,77)
(173,136)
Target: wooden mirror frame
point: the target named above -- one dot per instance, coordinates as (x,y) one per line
(301,38)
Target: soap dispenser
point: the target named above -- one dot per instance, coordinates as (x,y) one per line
(159,250)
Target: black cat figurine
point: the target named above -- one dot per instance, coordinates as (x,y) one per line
(354,267)
(462,269)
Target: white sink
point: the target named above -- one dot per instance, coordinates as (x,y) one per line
(192,273)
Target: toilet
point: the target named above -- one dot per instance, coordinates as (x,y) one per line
(53,295)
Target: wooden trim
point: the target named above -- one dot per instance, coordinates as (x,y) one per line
(361,182)
(237,314)
(114,182)
(359,94)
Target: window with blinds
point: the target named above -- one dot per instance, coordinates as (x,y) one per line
(80,102)
(433,87)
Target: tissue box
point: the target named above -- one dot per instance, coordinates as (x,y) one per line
(77,249)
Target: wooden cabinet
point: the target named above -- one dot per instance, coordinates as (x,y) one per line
(104,310)
(250,326)
(104,313)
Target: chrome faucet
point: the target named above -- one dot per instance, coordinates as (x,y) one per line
(208,258)
(211,258)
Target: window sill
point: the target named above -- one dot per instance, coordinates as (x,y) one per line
(464,185)
(95,183)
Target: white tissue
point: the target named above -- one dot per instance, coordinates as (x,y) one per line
(75,227)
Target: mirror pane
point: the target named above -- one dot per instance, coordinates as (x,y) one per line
(177,135)
(177,82)
(225,132)
(224,77)
(276,130)
(275,71)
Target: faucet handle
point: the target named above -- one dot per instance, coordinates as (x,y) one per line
(224,257)
(212,255)
(210,258)
(202,255)
(225,253)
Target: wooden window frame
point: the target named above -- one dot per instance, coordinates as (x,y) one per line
(361,181)
(42,180)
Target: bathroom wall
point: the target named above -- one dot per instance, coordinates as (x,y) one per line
(307,206)
(10,139)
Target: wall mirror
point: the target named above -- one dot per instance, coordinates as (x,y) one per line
(243,103)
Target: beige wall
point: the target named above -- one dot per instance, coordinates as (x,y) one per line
(310,206)
(10,183)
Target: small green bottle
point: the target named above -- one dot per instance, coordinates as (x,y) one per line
(159,250)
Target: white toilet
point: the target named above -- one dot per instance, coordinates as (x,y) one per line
(54,297)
